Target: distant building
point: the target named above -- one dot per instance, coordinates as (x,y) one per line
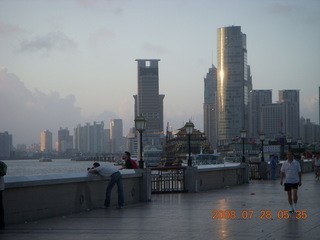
(290,101)
(5,144)
(65,141)
(257,99)
(148,101)
(234,83)
(281,118)
(116,135)
(46,141)
(310,132)
(132,145)
(90,138)
(210,107)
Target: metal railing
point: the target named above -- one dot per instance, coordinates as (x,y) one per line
(168,179)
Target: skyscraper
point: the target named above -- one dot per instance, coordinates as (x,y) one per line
(65,141)
(291,121)
(46,141)
(148,101)
(5,144)
(210,107)
(90,138)
(257,99)
(116,135)
(234,83)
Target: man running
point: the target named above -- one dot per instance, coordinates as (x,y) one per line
(291,171)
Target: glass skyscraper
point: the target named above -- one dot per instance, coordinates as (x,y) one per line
(234,83)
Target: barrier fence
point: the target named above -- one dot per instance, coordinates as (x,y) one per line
(168,179)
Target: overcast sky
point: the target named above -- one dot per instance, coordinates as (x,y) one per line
(66,62)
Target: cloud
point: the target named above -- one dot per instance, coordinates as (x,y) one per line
(283,9)
(154,49)
(24,114)
(101,37)
(53,41)
(9,30)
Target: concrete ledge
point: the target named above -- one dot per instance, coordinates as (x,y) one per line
(43,196)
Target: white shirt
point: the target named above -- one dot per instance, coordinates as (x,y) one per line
(105,171)
(291,170)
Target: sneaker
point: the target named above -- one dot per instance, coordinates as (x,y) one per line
(120,207)
(105,206)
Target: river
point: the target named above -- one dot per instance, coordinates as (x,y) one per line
(34,167)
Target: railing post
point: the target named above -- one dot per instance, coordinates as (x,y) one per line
(191,179)
(145,185)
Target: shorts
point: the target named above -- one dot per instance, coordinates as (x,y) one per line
(290,186)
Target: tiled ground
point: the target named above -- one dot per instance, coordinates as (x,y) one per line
(189,216)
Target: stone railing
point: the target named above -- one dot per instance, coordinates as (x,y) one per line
(35,197)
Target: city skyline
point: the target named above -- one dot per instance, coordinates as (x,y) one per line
(65,63)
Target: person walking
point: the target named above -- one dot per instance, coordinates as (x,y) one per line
(291,171)
(273,166)
(3,172)
(129,163)
(317,165)
(116,178)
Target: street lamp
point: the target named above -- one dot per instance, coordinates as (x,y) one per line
(243,134)
(140,124)
(289,140)
(262,137)
(189,126)
(299,140)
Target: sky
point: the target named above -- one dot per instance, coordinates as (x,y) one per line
(68,62)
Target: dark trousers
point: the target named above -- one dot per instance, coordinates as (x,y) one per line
(116,178)
(1,212)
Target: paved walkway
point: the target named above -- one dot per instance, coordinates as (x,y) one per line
(189,216)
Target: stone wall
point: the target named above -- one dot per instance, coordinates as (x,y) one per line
(36,197)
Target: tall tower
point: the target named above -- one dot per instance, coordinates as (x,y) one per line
(65,141)
(234,83)
(46,141)
(148,101)
(116,135)
(258,98)
(290,101)
(210,107)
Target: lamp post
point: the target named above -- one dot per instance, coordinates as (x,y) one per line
(299,140)
(243,134)
(140,124)
(189,126)
(289,140)
(262,137)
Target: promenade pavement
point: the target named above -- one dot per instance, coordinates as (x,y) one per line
(190,216)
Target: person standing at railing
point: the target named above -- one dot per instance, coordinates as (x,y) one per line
(129,163)
(3,172)
(291,171)
(109,170)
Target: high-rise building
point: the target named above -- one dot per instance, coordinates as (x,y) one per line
(90,138)
(291,118)
(65,141)
(5,144)
(116,135)
(148,101)
(210,107)
(257,98)
(46,141)
(234,83)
